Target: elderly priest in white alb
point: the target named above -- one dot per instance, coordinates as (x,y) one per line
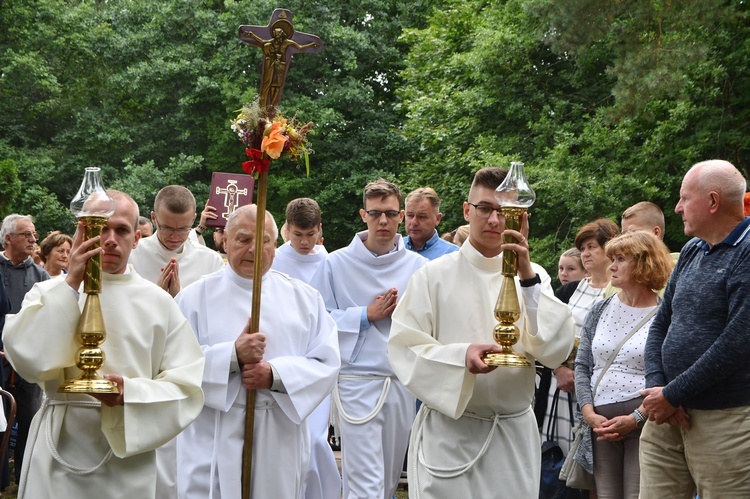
(79,448)
(292,363)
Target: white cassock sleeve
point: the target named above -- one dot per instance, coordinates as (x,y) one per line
(310,377)
(155,352)
(301,341)
(348,319)
(434,324)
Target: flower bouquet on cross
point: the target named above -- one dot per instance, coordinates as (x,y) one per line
(269,136)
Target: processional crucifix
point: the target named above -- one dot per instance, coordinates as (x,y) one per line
(279,42)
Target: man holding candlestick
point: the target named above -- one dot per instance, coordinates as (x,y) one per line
(442,329)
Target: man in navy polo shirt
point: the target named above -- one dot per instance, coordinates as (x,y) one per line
(697,373)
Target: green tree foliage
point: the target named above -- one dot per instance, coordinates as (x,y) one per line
(145,90)
(607,103)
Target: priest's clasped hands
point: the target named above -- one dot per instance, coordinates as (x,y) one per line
(250,348)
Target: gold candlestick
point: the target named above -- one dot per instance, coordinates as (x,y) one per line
(514,196)
(93,207)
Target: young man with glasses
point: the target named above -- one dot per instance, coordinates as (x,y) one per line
(360,285)
(168,258)
(443,327)
(20,273)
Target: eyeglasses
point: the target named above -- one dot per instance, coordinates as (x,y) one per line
(484,211)
(375,214)
(28,234)
(172,230)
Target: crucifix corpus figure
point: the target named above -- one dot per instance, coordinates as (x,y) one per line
(279,43)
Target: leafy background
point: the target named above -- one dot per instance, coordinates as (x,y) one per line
(606,102)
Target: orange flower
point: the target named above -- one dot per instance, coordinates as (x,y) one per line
(274,140)
(747,204)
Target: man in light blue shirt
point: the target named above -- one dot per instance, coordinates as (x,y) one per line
(422,217)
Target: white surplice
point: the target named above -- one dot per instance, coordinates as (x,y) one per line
(300,345)
(149,343)
(475,435)
(297,265)
(323,480)
(375,409)
(194,260)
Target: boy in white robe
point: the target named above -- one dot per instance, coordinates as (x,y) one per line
(80,447)
(292,364)
(300,257)
(475,433)
(360,285)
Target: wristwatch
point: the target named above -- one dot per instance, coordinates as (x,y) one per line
(527,283)
(640,418)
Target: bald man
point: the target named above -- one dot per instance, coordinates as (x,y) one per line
(697,374)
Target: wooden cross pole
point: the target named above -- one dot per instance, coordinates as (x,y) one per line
(279,42)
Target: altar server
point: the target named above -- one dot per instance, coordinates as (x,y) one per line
(475,432)
(79,447)
(292,363)
(361,285)
(300,257)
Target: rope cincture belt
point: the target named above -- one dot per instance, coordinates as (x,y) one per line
(381,400)
(452,472)
(94,404)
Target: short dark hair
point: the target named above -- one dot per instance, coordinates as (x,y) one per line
(602,230)
(303,212)
(490,177)
(381,189)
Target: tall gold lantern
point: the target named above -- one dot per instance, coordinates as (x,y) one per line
(515,196)
(93,206)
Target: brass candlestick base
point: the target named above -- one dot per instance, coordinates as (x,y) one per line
(507,308)
(90,331)
(506,334)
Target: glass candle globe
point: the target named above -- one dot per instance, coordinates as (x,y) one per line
(92,199)
(515,190)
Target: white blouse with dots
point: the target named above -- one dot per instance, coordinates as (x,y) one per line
(626,377)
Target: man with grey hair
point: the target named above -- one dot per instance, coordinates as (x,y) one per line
(361,285)
(292,363)
(19,274)
(697,376)
(422,218)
